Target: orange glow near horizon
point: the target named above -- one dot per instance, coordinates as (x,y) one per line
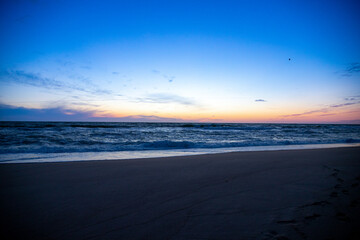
(300,115)
(170,62)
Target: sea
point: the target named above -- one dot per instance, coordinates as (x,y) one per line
(29,142)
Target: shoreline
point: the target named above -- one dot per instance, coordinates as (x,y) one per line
(16,158)
(295,194)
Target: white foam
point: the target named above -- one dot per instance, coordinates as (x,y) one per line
(120,155)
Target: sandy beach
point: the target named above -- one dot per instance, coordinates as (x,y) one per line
(297,194)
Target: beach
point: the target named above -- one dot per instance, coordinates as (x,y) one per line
(292,194)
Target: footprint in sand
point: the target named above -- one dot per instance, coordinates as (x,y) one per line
(335,174)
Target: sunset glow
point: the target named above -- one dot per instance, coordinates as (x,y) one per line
(209,61)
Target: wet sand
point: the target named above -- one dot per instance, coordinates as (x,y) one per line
(297,194)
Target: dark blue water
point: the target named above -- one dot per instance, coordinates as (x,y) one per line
(71,137)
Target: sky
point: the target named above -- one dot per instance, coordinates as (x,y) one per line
(180,61)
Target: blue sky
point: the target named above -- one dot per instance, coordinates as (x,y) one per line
(215,61)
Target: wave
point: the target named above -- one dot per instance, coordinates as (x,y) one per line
(53,137)
(93,146)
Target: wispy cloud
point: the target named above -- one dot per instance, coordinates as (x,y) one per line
(353,67)
(352,98)
(169,78)
(31,79)
(327,110)
(343,104)
(149,118)
(37,80)
(86,104)
(327,114)
(12,113)
(323,110)
(260,100)
(166,98)
(350,70)
(67,65)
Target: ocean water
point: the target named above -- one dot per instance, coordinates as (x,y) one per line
(65,141)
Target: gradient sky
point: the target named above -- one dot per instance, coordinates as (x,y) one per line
(203,61)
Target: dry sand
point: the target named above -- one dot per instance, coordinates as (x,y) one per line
(298,194)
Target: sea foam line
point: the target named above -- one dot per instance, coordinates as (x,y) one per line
(122,155)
